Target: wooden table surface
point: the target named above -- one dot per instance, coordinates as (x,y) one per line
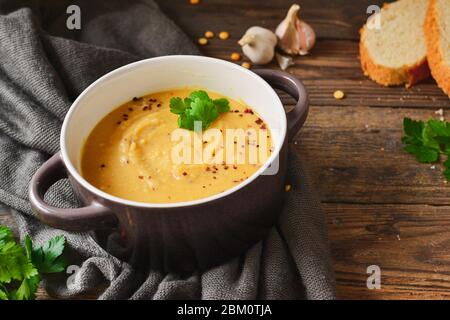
(382,207)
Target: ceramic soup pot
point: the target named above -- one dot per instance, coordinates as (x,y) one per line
(183,236)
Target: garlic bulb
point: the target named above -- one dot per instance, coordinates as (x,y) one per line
(295,36)
(284,61)
(258,44)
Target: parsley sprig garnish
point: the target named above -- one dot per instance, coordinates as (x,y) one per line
(427,141)
(198,107)
(21,267)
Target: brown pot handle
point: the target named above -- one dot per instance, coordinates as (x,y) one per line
(295,88)
(94,216)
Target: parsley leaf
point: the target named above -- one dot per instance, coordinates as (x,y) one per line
(447,169)
(423,154)
(177,106)
(427,141)
(198,107)
(47,258)
(14,264)
(20,267)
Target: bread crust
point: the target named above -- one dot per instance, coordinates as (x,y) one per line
(439,70)
(408,75)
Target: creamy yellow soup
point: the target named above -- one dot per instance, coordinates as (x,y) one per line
(131,152)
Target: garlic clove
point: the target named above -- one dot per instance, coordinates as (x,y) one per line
(295,36)
(284,61)
(258,44)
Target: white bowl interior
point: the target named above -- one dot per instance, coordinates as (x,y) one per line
(160,74)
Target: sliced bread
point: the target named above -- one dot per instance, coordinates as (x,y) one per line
(394,53)
(437,35)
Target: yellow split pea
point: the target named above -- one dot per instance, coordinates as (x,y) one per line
(209,34)
(203,41)
(224,35)
(235,56)
(338,94)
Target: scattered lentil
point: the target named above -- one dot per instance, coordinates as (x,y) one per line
(203,41)
(224,35)
(339,95)
(235,56)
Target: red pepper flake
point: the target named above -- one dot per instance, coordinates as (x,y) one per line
(263,126)
(234,166)
(214,177)
(158,105)
(141,177)
(137,99)
(235,181)
(103,165)
(248,110)
(257,145)
(152,100)
(208,169)
(215,168)
(185,173)
(236,111)
(119,122)
(130,109)
(259,121)
(225,167)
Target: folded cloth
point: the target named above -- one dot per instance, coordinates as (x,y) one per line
(43,67)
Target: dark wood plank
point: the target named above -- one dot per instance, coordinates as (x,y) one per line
(333,64)
(355,155)
(408,242)
(339,19)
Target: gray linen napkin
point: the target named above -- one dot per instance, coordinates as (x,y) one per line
(43,67)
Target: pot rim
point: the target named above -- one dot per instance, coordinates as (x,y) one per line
(101,194)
